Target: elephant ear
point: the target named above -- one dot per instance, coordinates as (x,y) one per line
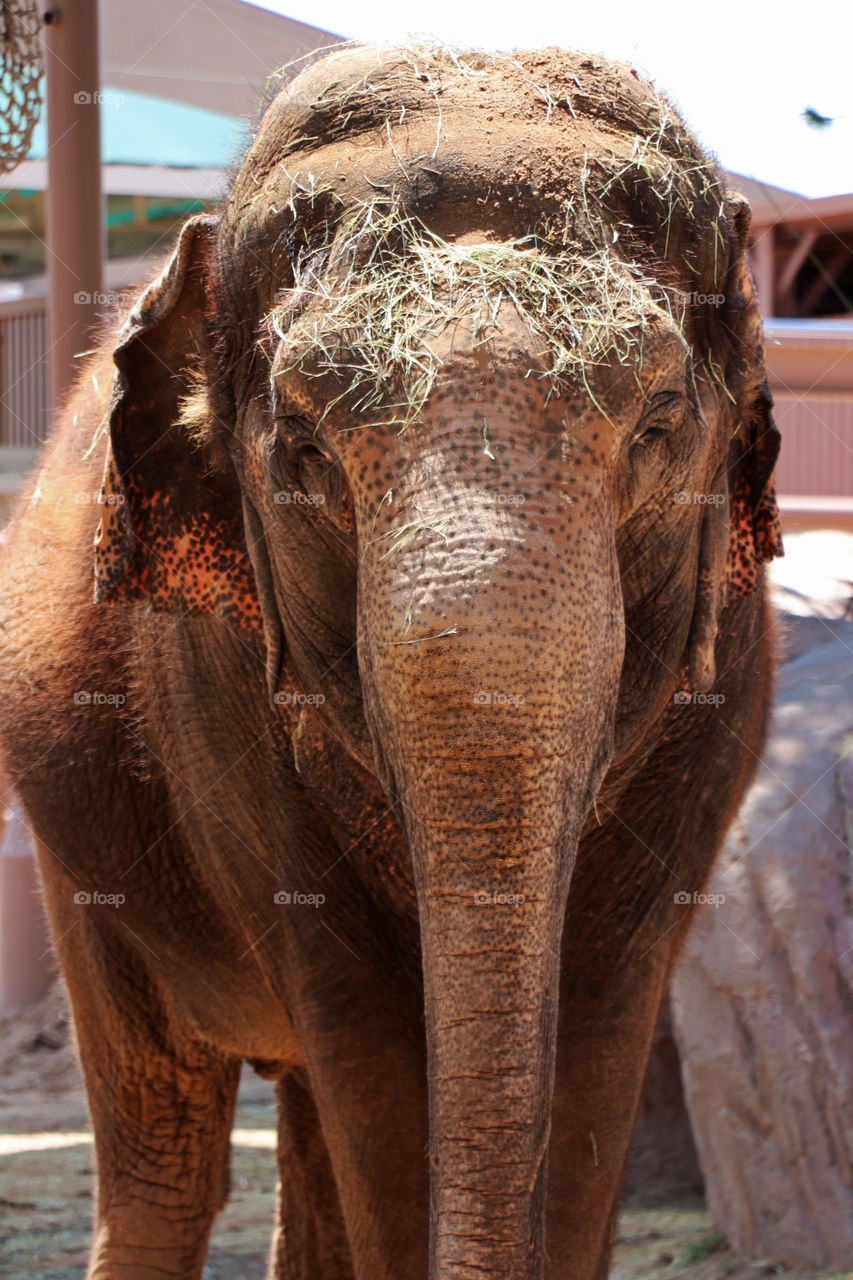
(756,533)
(740,531)
(756,536)
(171,525)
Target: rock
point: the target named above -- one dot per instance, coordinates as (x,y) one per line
(762,997)
(37,1050)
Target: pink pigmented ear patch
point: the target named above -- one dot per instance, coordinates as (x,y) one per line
(197,572)
(755,538)
(182,563)
(171,523)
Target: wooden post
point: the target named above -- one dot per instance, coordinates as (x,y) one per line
(27,967)
(764,269)
(75,220)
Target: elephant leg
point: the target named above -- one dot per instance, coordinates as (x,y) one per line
(605,1034)
(162,1105)
(360,1028)
(310,1241)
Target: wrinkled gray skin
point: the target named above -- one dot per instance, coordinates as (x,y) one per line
(479,632)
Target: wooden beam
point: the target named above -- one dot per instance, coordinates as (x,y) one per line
(764,270)
(791,269)
(39,219)
(825,280)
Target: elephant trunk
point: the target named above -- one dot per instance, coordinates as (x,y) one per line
(494,709)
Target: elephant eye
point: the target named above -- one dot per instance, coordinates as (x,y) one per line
(301,440)
(661,417)
(307,451)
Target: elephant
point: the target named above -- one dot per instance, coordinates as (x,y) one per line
(385,651)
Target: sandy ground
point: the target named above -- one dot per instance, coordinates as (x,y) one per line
(47,1180)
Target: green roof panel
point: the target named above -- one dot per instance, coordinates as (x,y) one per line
(139,129)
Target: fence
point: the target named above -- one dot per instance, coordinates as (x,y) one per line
(817,445)
(23,372)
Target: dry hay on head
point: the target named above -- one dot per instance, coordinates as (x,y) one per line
(609,236)
(365,307)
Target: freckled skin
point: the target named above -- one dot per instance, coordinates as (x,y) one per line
(478,694)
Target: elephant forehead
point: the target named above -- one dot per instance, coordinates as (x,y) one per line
(527,102)
(514,177)
(519,133)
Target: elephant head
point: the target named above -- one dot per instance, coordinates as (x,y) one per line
(459,406)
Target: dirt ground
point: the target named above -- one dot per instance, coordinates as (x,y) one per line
(47,1178)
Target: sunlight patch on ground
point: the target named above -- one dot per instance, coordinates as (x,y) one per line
(14,1143)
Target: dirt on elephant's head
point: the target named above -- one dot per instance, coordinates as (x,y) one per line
(396,188)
